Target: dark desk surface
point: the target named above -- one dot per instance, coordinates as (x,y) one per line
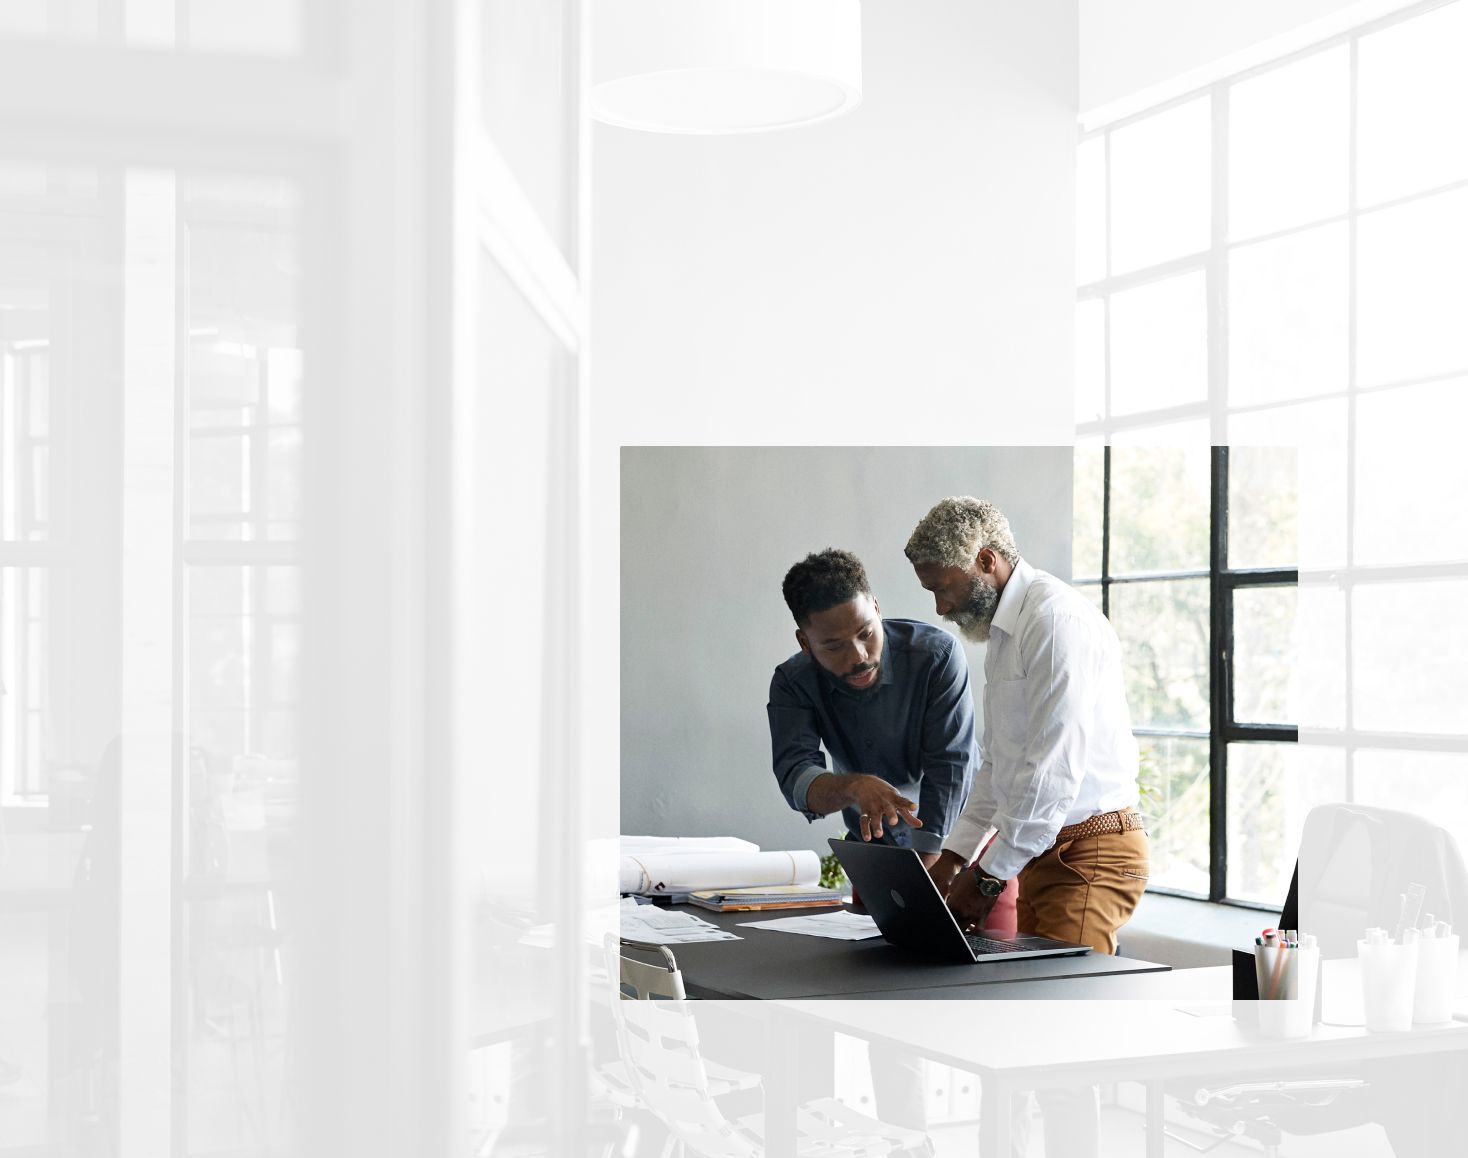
(774,965)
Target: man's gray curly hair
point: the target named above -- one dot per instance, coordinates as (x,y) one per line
(957,529)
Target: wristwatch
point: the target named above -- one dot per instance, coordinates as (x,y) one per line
(988,886)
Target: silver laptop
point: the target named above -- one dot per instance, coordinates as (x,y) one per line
(902,898)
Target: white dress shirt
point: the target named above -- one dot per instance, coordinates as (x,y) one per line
(1058,745)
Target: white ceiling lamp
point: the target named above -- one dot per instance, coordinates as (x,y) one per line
(725,66)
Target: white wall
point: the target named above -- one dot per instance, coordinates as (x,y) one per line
(913,258)
(707,536)
(1130,45)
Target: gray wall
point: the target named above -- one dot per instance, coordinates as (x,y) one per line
(707,535)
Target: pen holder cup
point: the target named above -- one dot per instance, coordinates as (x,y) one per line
(1388,984)
(1437,980)
(1287,982)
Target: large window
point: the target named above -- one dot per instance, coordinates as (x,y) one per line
(1272,263)
(1208,639)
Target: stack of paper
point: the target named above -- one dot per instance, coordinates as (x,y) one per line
(766,897)
(665,927)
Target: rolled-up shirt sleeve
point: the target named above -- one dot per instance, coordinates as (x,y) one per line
(976,821)
(1059,683)
(948,751)
(795,743)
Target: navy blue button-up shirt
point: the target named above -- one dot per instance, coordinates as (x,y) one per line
(915,729)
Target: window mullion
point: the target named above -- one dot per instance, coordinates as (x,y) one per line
(1220,635)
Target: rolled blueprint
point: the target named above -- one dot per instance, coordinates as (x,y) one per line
(684,872)
(644,845)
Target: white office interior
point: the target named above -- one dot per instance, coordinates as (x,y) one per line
(398,466)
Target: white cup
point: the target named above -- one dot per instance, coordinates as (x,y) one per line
(1388,984)
(1437,979)
(1293,1013)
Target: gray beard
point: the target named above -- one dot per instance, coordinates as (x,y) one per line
(974,620)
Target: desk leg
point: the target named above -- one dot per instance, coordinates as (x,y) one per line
(996,1109)
(1156,1101)
(780,1073)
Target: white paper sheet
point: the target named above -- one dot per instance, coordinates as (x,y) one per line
(842,926)
(666,927)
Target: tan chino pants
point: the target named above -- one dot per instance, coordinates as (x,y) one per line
(1084,890)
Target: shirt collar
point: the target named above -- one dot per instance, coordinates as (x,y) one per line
(1012,598)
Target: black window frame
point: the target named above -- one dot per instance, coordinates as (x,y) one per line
(1224,727)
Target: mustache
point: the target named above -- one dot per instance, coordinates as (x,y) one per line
(861,669)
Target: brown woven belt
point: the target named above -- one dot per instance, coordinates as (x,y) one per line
(1123,820)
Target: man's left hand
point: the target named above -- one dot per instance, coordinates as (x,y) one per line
(969,906)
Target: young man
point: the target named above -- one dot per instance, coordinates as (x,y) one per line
(890,701)
(1059,778)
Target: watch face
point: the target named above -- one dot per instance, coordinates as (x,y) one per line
(989,886)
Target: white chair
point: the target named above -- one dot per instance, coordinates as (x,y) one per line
(665,1069)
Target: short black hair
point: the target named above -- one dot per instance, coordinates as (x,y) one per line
(822,581)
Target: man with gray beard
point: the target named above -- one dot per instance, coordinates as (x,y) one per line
(1059,775)
(1058,779)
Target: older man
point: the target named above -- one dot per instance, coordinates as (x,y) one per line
(1059,776)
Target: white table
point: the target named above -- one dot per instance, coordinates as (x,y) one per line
(1172,1026)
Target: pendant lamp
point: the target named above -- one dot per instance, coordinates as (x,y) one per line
(725,66)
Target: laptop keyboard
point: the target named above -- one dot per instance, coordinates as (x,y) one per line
(990,945)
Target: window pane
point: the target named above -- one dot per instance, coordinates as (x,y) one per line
(259,28)
(1159,509)
(1159,345)
(1412,296)
(1091,211)
(1413,90)
(25,664)
(1289,139)
(1160,198)
(219,471)
(1288,316)
(1263,506)
(1163,627)
(1090,361)
(1314,435)
(244,645)
(1408,644)
(1173,779)
(1263,654)
(244,369)
(1430,784)
(26,339)
(283,488)
(1086,510)
(1189,433)
(1270,789)
(1411,474)
(1317,678)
